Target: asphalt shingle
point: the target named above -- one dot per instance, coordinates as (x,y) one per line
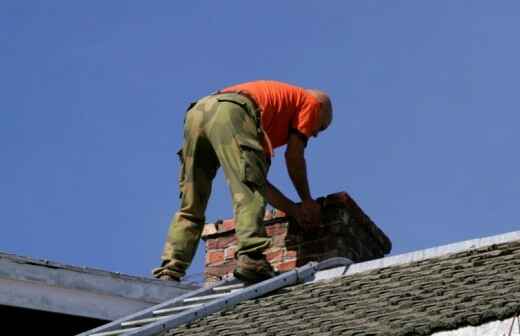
(418,298)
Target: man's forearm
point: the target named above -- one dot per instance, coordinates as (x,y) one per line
(279,200)
(297,169)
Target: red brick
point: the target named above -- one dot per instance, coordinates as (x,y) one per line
(220,270)
(269,229)
(347,230)
(210,229)
(229,253)
(211,244)
(274,254)
(279,213)
(286,266)
(227,225)
(268,215)
(275,264)
(276,229)
(291,254)
(226,241)
(279,241)
(215,256)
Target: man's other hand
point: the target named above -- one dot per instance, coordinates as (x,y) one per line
(311,211)
(296,212)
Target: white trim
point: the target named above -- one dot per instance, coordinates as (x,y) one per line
(53,287)
(419,255)
(495,328)
(66,301)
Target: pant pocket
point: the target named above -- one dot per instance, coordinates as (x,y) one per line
(254,166)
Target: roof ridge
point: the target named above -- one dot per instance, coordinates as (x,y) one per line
(409,257)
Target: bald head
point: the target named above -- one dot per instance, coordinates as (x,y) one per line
(325,109)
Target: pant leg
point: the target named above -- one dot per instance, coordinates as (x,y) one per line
(234,136)
(199,165)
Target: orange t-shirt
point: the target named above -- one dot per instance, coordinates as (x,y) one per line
(283,107)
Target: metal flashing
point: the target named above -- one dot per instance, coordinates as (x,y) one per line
(406,258)
(433,252)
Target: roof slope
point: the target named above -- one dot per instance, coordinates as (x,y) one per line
(417,298)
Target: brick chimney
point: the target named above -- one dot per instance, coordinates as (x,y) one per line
(345,231)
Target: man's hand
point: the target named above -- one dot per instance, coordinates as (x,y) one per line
(311,213)
(281,202)
(296,212)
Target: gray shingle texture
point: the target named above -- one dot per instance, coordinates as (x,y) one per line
(418,298)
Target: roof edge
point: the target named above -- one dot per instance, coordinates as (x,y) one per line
(25,260)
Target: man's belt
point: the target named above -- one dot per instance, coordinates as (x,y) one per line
(246,95)
(257,111)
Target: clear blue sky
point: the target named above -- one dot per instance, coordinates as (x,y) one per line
(425,135)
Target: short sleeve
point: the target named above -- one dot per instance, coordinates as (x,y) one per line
(306,117)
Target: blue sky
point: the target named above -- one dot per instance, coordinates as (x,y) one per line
(425,135)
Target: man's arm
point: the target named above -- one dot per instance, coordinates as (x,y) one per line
(296,165)
(281,202)
(297,168)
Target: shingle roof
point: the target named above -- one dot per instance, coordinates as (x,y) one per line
(446,292)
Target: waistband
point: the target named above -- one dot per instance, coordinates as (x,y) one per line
(245,95)
(266,142)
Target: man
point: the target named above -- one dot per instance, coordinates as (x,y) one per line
(237,128)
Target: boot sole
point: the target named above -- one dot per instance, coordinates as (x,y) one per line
(251,277)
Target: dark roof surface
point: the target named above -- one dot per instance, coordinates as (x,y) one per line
(417,298)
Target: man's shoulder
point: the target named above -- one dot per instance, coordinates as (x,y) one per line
(267,86)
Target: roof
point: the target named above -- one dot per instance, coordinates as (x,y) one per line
(47,286)
(446,288)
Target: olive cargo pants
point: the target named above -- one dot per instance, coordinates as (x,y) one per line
(219,130)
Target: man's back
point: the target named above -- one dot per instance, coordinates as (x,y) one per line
(283,107)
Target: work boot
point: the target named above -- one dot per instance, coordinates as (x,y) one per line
(253,268)
(167,272)
(169,278)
